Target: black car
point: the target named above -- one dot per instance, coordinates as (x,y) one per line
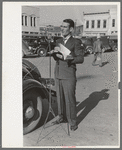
(39,45)
(113,42)
(88,45)
(109,43)
(35,96)
(29,50)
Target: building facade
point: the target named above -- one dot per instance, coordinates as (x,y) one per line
(103,23)
(113,22)
(31,25)
(30,21)
(56,30)
(50,30)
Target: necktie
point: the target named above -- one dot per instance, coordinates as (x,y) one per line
(64,40)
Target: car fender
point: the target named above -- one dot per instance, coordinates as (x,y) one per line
(34,84)
(26,73)
(32,69)
(106,47)
(87,47)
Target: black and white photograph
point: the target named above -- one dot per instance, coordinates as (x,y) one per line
(60,75)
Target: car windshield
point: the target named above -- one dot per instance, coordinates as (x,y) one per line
(87,41)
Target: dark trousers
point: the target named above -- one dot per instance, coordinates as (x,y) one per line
(65,89)
(97,55)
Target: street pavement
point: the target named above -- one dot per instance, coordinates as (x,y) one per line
(97,107)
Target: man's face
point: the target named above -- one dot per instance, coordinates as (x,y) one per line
(66,30)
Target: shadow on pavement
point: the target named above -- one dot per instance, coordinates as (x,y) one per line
(86,77)
(34,56)
(87,105)
(90,103)
(104,63)
(86,55)
(108,51)
(31,56)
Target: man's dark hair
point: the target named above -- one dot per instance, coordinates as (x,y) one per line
(70,21)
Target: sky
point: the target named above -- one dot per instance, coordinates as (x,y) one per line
(54,15)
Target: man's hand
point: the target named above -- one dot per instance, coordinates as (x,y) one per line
(69,57)
(51,52)
(59,56)
(30,48)
(56,50)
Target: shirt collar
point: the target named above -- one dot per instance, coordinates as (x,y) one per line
(67,37)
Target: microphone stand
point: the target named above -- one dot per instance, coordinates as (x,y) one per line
(50,107)
(50,101)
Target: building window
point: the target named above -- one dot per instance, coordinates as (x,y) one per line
(22,20)
(113,22)
(98,23)
(87,24)
(104,23)
(31,21)
(92,23)
(25,20)
(34,21)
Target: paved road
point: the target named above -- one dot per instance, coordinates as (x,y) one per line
(97,107)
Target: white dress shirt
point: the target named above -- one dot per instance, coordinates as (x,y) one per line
(65,39)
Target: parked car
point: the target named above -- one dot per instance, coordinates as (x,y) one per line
(88,45)
(35,96)
(25,48)
(108,43)
(105,41)
(28,50)
(113,42)
(43,40)
(40,45)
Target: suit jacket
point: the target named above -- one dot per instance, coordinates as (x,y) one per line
(97,46)
(66,69)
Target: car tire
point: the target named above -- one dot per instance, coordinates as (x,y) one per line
(90,50)
(35,109)
(115,48)
(42,52)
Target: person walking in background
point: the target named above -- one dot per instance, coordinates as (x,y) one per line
(65,74)
(97,50)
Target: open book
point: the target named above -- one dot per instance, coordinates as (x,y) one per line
(64,51)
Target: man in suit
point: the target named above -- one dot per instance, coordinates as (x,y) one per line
(97,49)
(65,74)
